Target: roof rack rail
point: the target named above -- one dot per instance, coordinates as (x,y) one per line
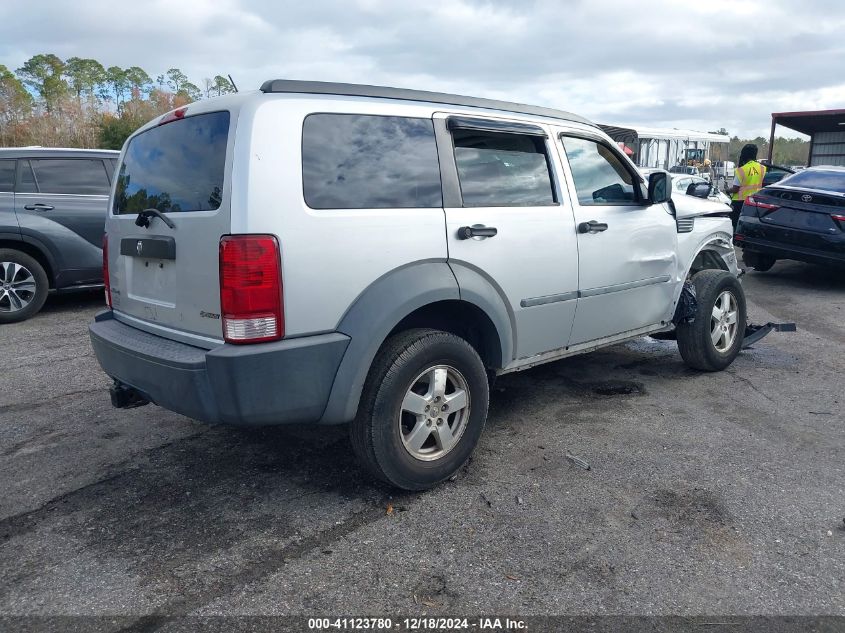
(383,92)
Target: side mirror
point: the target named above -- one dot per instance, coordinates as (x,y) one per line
(699,189)
(659,187)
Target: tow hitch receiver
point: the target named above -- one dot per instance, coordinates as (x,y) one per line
(754,333)
(126,397)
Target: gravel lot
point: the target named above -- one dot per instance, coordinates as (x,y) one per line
(708,493)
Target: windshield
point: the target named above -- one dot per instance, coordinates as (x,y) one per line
(175,167)
(817,179)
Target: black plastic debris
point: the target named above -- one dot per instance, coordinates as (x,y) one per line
(754,333)
(687,305)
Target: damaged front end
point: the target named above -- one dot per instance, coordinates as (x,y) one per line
(688,307)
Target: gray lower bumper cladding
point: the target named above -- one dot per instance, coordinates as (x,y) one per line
(286,381)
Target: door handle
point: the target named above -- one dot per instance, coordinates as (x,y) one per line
(476,230)
(38,206)
(592,227)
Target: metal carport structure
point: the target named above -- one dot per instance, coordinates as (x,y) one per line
(826,129)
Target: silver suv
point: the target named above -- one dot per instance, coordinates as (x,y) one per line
(333,253)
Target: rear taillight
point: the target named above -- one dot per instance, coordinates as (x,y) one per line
(839,219)
(106,282)
(251,289)
(761,208)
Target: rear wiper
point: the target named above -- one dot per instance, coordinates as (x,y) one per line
(143,218)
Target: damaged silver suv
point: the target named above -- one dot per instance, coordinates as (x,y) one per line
(344,254)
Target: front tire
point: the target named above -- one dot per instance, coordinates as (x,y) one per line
(23,286)
(422,410)
(713,340)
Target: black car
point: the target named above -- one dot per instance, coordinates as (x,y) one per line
(53,206)
(801,217)
(775,173)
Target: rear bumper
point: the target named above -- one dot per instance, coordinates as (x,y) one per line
(281,382)
(789,243)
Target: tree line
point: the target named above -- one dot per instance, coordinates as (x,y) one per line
(788,151)
(78,102)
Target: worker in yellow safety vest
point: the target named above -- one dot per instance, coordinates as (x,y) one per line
(748,179)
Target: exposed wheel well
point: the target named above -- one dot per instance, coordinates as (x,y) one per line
(35,253)
(708,260)
(462,319)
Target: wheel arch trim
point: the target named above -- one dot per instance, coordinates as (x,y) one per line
(33,244)
(378,310)
(720,245)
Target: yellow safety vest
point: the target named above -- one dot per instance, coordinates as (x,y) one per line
(750,177)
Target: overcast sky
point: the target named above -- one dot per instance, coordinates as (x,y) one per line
(700,64)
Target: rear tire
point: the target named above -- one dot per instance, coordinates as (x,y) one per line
(758,261)
(713,340)
(23,286)
(402,434)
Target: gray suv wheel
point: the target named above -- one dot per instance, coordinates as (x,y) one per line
(23,286)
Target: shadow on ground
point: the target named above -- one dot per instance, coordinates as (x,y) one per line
(72,301)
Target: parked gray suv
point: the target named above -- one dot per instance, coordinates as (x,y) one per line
(52,211)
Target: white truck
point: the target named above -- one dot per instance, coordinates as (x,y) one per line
(724,170)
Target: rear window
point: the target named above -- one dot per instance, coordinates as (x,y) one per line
(175,167)
(353,161)
(80,176)
(811,179)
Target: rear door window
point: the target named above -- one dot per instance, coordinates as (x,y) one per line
(80,176)
(502,169)
(357,161)
(599,175)
(7,175)
(175,167)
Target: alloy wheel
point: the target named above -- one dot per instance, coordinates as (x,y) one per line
(434,413)
(723,321)
(17,287)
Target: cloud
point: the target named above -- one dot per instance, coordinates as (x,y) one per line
(660,63)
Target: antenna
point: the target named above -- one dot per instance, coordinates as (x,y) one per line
(232,81)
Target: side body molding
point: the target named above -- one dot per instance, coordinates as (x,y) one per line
(389,300)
